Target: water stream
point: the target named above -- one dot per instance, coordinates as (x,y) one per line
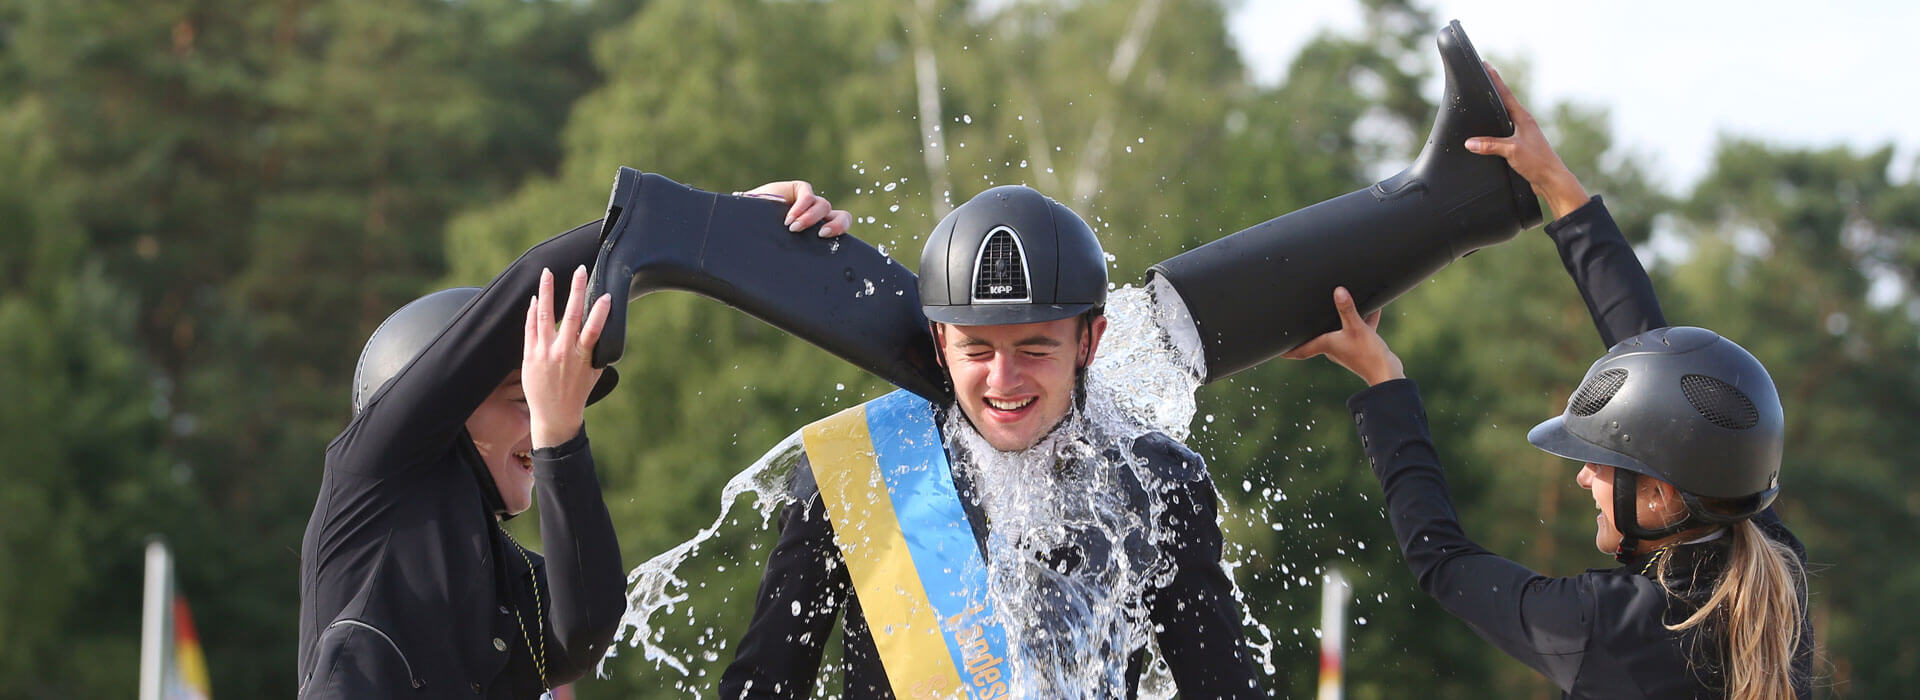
(1081,489)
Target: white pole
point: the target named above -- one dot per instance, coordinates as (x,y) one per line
(153,619)
(1334,592)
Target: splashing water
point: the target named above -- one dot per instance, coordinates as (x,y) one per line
(656,585)
(1081,493)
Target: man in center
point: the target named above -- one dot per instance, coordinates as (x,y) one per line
(1013,285)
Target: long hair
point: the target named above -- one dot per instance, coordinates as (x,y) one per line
(1758,604)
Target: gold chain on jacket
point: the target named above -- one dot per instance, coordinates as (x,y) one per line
(539,615)
(1655,559)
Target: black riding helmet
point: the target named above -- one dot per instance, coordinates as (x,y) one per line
(1682,405)
(1011,255)
(408,331)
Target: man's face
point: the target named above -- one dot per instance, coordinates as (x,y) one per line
(1015,382)
(502,431)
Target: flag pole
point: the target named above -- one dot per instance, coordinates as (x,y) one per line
(153,619)
(1334,592)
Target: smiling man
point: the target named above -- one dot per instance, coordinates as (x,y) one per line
(948,585)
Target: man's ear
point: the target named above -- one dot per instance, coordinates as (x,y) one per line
(1090,340)
(939,343)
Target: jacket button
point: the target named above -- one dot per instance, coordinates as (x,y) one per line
(504,610)
(476,687)
(499,644)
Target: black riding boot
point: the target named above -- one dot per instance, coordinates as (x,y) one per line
(840,294)
(1267,289)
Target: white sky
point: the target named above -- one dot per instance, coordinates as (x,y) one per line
(1675,75)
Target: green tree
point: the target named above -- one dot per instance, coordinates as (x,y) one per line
(243,191)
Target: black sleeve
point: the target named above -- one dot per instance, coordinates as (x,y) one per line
(583,571)
(416,414)
(800,596)
(1196,616)
(1615,286)
(1542,621)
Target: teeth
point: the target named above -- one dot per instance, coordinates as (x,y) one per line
(1010,405)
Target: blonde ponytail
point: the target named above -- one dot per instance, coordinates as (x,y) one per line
(1758,604)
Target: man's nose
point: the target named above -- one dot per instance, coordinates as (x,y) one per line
(1003,374)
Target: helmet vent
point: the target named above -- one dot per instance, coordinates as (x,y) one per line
(1000,271)
(1595,394)
(1719,402)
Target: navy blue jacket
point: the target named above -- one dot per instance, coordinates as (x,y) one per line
(1600,634)
(408,586)
(1196,619)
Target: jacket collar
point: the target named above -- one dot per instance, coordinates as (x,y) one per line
(1692,568)
(489,491)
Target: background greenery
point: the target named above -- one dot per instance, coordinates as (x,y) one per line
(206,205)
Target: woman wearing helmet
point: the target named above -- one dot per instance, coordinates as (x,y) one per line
(463,401)
(1680,431)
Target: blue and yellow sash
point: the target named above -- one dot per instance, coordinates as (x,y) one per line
(909,550)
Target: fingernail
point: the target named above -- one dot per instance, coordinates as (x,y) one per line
(823,233)
(794,226)
(1474,144)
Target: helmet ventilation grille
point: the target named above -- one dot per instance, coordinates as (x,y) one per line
(1000,272)
(1719,402)
(1595,394)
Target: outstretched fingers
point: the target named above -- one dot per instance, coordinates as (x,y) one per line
(596,322)
(576,306)
(530,337)
(1514,109)
(1523,122)
(544,331)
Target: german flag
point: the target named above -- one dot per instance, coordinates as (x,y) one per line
(187,679)
(172,666)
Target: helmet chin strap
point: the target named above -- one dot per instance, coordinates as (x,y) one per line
(1627,521)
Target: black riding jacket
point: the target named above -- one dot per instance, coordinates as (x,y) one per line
(1600,634)
(408,586)
(1196,619)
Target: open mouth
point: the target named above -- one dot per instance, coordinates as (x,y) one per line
(525,458)
(1009,410)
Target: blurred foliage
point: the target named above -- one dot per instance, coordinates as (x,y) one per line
(208,204)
